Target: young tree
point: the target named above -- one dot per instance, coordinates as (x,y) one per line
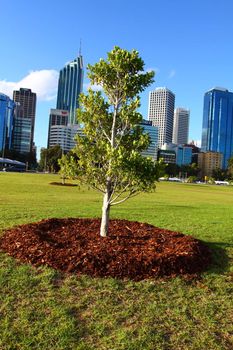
(109,155)
(68,167)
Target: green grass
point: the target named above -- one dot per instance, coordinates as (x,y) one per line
(42,309)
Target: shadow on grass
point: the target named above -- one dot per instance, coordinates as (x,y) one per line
(220,258)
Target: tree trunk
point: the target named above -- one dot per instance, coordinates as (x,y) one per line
(105,212)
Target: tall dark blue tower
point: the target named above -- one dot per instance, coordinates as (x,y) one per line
(217,127)
(70,85)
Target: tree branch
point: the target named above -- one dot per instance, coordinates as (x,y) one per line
(97,188)
(131,194)
(104,132)
(119,194)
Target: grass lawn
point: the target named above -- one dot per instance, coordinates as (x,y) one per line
(43,309)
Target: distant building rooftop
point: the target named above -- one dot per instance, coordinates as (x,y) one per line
(219,89)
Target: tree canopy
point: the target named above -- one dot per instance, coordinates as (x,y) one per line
(109,153)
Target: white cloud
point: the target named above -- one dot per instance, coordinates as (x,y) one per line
(42,82)
(172,74)
(94,87)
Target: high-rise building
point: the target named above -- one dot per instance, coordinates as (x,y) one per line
(24,123)
(6,122)
(209,161)
(70,85)
(153,132)
(57,117)
(161,113)
(180,126)
(64,135)
(217,127)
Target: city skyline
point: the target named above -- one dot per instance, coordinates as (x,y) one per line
(187,44)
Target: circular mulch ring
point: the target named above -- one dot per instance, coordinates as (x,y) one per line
(132,250)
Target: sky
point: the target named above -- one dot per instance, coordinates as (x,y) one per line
(187,42)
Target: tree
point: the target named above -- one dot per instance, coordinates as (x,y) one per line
(230,166)
(109,155)
(68,167)
(219,174)
(49,158)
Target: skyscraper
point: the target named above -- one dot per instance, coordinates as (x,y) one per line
(180,126)
(217,127)
(24,123)
(161,113)
(6,122)
(70,85)
(152,131)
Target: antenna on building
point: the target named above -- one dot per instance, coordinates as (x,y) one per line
(80,48)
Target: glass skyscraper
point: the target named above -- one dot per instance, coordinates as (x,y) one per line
(6,122)
(153,132)
(24,123)
(217,127)
(70,85)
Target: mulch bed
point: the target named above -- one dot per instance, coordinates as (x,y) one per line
(132,250)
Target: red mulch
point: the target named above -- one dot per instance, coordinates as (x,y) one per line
(132,250)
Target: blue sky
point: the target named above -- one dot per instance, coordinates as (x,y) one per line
(187,43)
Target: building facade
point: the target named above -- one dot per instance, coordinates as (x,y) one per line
(153,133)
(183,154)
(161,113)
(6,122)
(195,151)
(209,161)
(64,135)
(25,113)
(70,86)
(180,126)
(168,156)
(57,117)
(22,134)
(217,127)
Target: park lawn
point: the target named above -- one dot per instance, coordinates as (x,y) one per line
(44,309)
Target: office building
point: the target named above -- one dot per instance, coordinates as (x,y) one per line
(24,119)
(6,122)
(183,154)
(57,117)
(180,126)
(217,127)
(153,133)
(161,113)
(64,135)
(70,85)
(22,129)
(209,161)
(167,156)
(195,151)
